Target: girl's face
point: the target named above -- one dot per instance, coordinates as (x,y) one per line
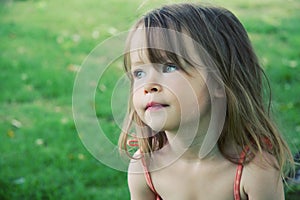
(164,96)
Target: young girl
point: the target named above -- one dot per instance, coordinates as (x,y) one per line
(201,128)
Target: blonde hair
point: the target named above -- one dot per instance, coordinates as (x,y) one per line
(223,37)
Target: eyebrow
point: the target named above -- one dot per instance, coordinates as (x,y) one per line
(138,63)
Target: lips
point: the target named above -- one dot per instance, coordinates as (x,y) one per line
(155,106)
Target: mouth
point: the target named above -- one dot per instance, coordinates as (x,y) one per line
(155,106)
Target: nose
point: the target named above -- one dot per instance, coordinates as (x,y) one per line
(152,88)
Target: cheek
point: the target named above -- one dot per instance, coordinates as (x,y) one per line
(138,84)
(137,100)
(182,89)
(192,96)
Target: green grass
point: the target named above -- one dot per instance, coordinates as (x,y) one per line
(42,45)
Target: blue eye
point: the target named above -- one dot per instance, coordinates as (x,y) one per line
(138,74)
(168,68)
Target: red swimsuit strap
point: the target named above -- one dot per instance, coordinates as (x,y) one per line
(238,175)
(134,143)
(149,179)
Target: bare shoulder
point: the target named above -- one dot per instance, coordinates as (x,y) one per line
(261,179)
(137,182)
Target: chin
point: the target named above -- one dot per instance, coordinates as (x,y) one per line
(156,127)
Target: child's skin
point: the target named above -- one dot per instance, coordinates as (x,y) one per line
(210,178)
(174,95)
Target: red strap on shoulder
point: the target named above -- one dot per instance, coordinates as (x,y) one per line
(148,177)
(238,174)
(134,143)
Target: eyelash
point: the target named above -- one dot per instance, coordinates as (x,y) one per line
(167,65)
(164,70)
(136,73)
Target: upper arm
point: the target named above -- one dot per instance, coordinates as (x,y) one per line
(262,181)
(139,190)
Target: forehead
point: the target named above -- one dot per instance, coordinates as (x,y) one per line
(137,45)
(157,45)
(142,51)
(138,39)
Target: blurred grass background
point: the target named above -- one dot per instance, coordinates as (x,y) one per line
(42,45)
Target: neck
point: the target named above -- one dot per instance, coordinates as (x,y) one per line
(188,141)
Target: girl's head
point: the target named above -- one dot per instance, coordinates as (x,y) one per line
(214,42)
